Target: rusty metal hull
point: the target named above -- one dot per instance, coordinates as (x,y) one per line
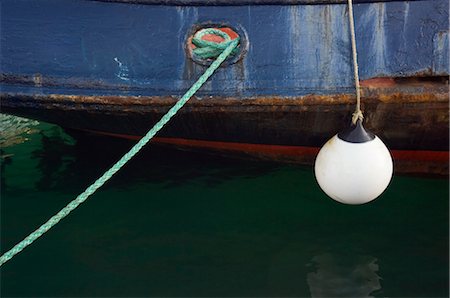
(285,129)
(116,68)
(405,121)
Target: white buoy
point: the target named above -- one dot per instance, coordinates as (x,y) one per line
(354,167)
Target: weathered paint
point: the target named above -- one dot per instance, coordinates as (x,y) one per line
(441,52)
(293,49)
(406,117)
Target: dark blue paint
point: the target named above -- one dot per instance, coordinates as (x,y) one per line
(293,50)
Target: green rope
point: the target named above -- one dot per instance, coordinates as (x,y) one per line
(230,46)
(209,49)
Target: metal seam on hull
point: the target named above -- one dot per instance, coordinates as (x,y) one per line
(40,81)
(432,95)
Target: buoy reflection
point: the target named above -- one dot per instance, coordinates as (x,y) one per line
(340,276)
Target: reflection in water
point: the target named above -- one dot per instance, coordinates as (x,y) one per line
(13,130)
(53,156)
(74,164)
(174,223)
(343,276)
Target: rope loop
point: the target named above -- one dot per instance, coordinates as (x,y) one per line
(209,49)
(357,115)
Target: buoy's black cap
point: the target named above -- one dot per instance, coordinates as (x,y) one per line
(356,134)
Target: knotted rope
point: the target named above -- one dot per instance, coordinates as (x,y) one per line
(117,166)
(209,49)
(357,115)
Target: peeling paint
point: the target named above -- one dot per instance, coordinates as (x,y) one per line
(441,53)
(123,70)
(377,49)
(294,49)
(405,22)
(407,118)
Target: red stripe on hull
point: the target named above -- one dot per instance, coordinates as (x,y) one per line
(407,161)
(242,147)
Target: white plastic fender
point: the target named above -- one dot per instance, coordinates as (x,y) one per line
(353,173)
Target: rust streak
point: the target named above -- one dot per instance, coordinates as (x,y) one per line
(369,97)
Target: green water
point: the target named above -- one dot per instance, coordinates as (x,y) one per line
(176,223)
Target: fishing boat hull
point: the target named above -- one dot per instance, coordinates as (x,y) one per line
(121,66)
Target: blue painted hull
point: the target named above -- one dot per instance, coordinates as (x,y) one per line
(293,49)
(117,67)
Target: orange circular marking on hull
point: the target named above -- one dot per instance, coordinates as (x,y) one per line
(215,38)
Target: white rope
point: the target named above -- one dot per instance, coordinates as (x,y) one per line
(357,115)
